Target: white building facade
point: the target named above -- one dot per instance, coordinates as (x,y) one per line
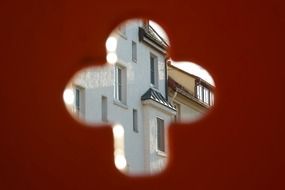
(133,93)
(143,92)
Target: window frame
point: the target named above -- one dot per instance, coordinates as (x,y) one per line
(120,84)
(134,52)
(153,70)
(160,135)
(104,108)
(204,94)
(135,121)
(77,101)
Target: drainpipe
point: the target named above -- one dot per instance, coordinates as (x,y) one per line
(174,96)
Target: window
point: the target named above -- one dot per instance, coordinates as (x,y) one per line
(135,121)
(153,71)
(77,100)
(160,135)
(199,90)
(204,94)
(211,98)
(134,51)
(120,84)
(104,109)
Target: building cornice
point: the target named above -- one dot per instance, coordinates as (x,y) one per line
(175,87)
(197,79)
(148,35)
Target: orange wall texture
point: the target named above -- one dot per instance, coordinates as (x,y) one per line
(238,145)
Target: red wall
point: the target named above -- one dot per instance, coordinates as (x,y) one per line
(239,145)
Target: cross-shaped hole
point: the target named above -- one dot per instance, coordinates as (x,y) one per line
(140,91)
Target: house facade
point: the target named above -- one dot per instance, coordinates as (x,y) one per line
(134,91)
(191,95)
(131,92)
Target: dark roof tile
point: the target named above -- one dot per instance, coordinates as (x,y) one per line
(152,94)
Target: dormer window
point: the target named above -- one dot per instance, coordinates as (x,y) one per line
(204,94)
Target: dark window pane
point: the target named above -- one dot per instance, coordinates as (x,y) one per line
(77,99)
(135,120)
(160,135)
(152,72)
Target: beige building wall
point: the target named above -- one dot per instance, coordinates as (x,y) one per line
(187,110)
(182,78)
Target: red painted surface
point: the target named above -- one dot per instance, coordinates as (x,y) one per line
(239,145)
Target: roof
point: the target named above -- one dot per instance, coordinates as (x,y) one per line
(193,70)
(152,94)
(148,35)
(176,87)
